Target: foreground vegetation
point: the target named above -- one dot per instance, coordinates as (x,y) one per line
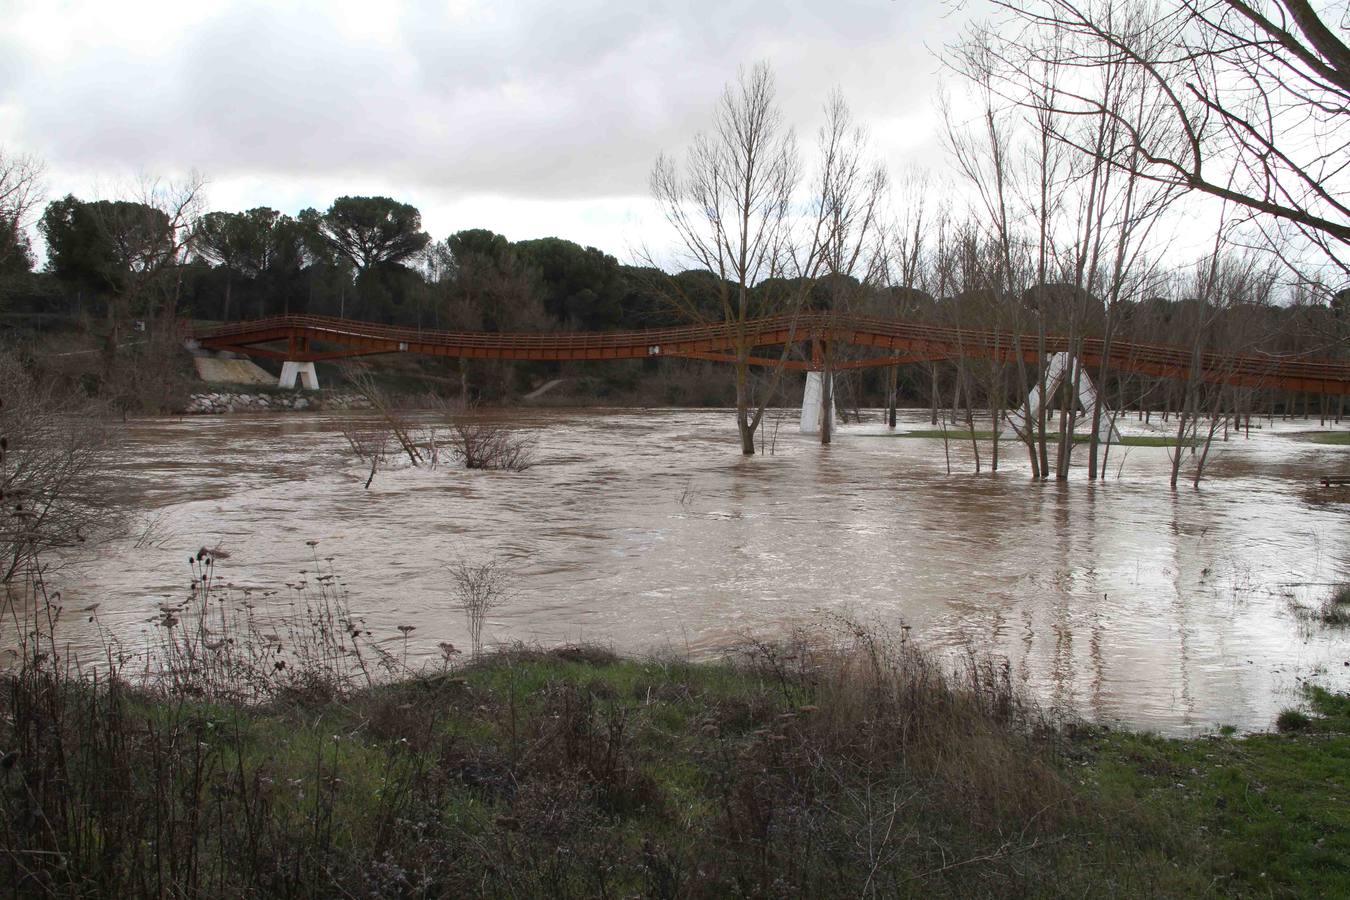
(850,767)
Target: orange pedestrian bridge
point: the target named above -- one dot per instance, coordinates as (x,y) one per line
(301,340)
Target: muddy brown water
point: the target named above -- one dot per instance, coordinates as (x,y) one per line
(645,530)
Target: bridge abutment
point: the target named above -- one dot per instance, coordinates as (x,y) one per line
(304,371)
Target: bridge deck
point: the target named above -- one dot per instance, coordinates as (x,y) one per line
(902,341)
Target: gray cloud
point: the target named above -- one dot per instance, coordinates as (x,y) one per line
(530,100)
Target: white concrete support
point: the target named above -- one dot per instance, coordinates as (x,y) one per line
(811,403)
(309,379)
(1055,373)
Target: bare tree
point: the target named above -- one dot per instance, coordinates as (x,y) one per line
(1017,175)
(21,192)
(1089,220)
(730,203)
(850,189)
(152,237)
(1248,102)
(906,276)
(52,472)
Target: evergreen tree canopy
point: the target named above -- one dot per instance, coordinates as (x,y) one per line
(371,231)
(98,244)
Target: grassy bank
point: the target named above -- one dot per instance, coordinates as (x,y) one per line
(1270,811)
(853,769)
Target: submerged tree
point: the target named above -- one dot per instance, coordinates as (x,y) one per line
(848,195)
(730,204)
(734,206)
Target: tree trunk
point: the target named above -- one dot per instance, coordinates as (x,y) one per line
(933,394)
(1043,409)
(893,378)
(826,405)
(743,423)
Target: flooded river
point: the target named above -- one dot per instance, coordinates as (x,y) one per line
(646,530)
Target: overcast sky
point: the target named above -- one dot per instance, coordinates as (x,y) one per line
(529,118)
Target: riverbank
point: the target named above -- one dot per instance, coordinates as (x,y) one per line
(789,770)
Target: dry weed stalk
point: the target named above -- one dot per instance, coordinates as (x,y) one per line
(248,646)
(479,589)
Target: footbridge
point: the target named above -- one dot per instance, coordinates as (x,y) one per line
(301,340)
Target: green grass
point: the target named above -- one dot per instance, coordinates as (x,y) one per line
(965,435)
(1334,438)
(1148,440)
(952,434)
(1272,811)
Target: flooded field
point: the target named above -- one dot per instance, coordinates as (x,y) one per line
(646,530)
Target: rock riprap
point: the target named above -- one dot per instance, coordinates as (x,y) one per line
(220,402)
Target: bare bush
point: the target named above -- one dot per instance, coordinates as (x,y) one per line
(476,445)
(479,589)
(487,445)
(1335,610)
(51,477)
(368,444)
(473,444)
(397,425)
(301,643)
(152,375)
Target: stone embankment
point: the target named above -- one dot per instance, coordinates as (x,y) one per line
(219,402)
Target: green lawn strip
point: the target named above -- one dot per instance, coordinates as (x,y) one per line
(1333,438)
(1149,440)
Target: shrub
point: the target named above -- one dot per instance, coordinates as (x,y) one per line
(479,589)
(1292,720)
(1336,609)
(52,477)
(486,445)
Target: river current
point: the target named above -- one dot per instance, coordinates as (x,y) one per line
(645,530)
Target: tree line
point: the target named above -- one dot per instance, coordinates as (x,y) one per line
(363,258)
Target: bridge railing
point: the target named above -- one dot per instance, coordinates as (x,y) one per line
(938,339)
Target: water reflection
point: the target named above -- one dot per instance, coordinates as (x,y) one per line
(644,529)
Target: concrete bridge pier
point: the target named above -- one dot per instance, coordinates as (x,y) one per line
(815,412)
(304,371)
